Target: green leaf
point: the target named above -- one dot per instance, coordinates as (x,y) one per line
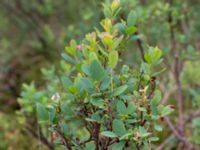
(131,30)
(109,134)
(118,146)
(66,82)
(143,132)
(92,56)
(86,84)
(130,109)
(121,108)
(68,58)
(158,127)
(89,146)
(65,129)
(42,113)
(153,139)
(66,110)
(107,11)
(96,117)
(132,17)
(52,114)
(105,84)
(121,28)
(145,68)
(118,127)
(96,71)
(97,102)
(113,59)
(118,91)
(154,108)
(85,69)
(153,55)
(166,110)
(157,97)
(72,49)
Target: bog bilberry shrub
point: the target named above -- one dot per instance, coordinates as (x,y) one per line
(99,102)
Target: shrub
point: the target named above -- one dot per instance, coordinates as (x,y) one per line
(97,101)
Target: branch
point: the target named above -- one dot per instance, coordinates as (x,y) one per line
(40,137)
(191,116)
(167,94)
(176,133)
(187,118)
(95,135)
(65,140)
(139,43)
(161,147)
(176,74)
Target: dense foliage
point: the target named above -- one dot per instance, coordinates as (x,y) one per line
(111,90)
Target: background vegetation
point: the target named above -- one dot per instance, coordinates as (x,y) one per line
(34,33)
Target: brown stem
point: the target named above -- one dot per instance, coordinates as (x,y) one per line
(187,118)
(177,134)
(179,94)
(176,74)
(65,140)
(139,43)
(137,146)
(96,135)
(191,116)
(161,147)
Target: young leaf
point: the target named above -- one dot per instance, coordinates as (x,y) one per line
(130,30)
(153,55)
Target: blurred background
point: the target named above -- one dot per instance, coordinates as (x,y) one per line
(33,33)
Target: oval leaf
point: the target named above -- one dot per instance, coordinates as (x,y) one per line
(113,59)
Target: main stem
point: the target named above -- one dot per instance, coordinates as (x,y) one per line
(176,74)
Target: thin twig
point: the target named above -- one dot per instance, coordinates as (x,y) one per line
(65,140)
(176,133)
(161,147)
(139,43)
(176,74)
